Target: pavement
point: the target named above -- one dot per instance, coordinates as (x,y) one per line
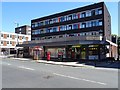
(101,65)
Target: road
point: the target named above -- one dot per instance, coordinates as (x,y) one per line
(29,74)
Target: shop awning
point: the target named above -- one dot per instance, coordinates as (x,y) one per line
(64,43)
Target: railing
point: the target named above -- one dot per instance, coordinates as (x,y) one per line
(64,39)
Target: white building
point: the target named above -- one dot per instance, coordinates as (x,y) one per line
(8,41)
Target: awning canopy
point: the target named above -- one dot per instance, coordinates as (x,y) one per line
(64,43)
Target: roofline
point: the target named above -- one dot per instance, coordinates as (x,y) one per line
(67,11)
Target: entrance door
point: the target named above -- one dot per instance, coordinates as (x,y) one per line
(83,55)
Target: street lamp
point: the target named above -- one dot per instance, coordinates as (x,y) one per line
(17,24)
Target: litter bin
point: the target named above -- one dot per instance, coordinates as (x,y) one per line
(60,57)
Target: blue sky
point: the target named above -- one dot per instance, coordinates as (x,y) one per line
(24,12)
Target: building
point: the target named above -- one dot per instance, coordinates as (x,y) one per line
(80,34)
(8,42)
(114,39)
(26,29)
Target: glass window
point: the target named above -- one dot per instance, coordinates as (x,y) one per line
(100,11)
(75,26)
(1,35)
(88,13)
(54,29)
(46,22)
(62,19)
(100,22)
(47,30)
(83,25)
(33,25)
(1,42)
(83,15)
(69,27)
(7,35)
(7,42)
(75,16)
(55,20)
(93,23)
(70,17)
(50,21)
(96,12)
(93,12)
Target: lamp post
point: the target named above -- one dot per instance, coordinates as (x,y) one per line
(17,25)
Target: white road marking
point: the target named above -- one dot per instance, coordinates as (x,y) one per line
(80,79)
(25,68)
(8,64)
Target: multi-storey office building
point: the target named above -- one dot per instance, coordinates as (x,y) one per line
(26,29)
(79,33)
(8,41)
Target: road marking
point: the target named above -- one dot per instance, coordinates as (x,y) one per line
(80,79)
(8,64)
(25,68)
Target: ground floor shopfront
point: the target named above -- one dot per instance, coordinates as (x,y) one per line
(70,50)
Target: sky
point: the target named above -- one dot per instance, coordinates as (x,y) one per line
(24,12)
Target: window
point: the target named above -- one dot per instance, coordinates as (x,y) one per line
(70,17)
(33,25)
(46,22)
(1,42)
(50,21)
(62,19)
(88,13)
(36,24)
(75,16)
(69,27)
(83,15)
(1,35)
(7,42)
(93,23)
(75,26)
(93,12)
(54,29)
(55,20)
(96,12)
(100,22)
(10,42)
(88,24)
(10,36)
(83,25)
(100,11)
(47,30)
(7,35)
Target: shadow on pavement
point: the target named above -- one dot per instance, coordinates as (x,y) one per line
(104,64)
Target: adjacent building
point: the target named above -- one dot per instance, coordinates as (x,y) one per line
(26,29)
(8,42)
(80,34)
